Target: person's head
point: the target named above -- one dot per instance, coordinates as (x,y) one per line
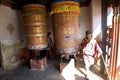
(48,34)
(89,34)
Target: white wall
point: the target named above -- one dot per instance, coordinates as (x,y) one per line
(11,18)
(96,18)
(11,33)
(84,21)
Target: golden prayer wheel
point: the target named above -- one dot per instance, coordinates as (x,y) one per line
(65,21)
(34,16)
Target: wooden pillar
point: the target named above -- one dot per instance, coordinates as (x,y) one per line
(104,31)
(115,45)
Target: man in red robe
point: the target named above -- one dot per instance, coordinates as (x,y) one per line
(89,48)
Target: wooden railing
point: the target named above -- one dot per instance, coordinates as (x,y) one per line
(115,45)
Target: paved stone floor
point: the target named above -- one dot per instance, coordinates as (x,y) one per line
(25,73)
(52,73)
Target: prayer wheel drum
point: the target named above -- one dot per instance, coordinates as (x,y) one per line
(34,16)
(65,22)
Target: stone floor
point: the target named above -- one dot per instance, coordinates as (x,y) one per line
(52,72)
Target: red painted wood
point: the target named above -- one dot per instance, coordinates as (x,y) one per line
(114,51)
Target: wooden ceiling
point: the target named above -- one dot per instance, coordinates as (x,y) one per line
(18,4)
(114,2)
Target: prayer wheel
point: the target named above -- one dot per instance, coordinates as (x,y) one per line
(65,26)
(34,16)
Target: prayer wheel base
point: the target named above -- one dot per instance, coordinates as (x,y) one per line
(62,66)
(36,64)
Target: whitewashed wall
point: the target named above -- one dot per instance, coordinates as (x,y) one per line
(10,18)
(11,34)
(96,18)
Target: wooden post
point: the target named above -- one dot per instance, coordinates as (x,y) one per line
(104,31)
(115,44)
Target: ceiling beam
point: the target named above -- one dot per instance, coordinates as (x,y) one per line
(18,4)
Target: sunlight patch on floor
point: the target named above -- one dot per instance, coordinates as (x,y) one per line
(70,72)
(93,76)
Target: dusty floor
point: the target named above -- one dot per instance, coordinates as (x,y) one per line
(52,72)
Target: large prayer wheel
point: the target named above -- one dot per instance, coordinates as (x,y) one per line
(65,21)
(34,16)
